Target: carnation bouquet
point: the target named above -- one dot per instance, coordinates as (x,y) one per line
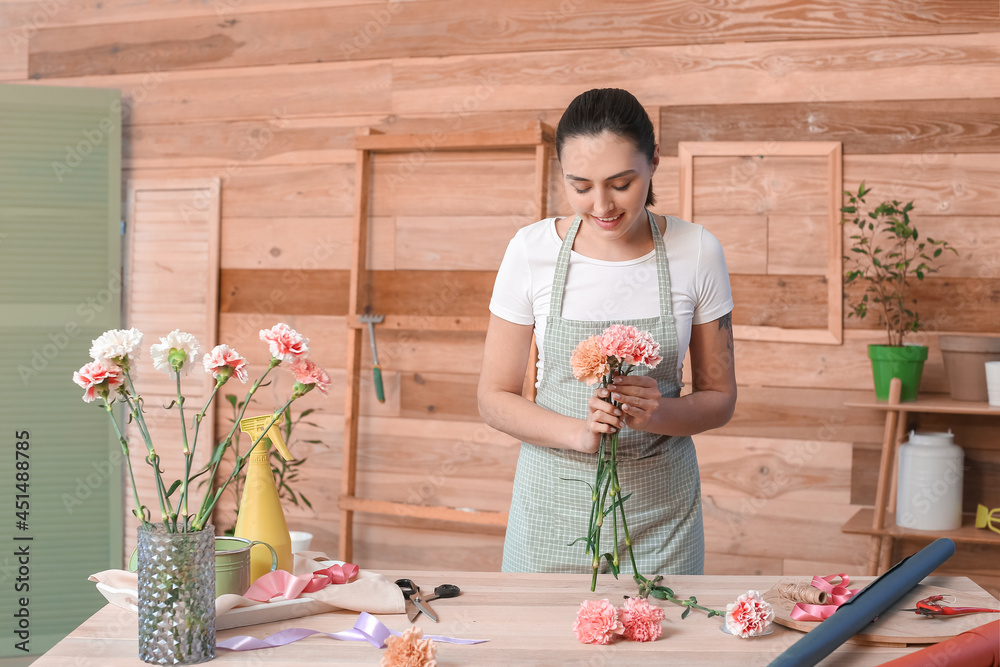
(108,377)
(617,352)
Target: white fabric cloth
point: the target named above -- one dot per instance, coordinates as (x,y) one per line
(602,290)
(370,592)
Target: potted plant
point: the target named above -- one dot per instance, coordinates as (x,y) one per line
(887,255)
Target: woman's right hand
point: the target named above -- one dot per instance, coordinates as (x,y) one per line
(603,418)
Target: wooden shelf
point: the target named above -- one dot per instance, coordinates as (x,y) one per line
(861,524)
(937,403)
(865,521)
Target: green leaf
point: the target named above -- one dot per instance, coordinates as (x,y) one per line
(611,564)
(684,614)
(232,400)
(173,487)
(937,253)
(658,593)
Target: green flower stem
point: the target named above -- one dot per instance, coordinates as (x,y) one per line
(128,463)
(182,502)
(212,498)
(134,402)
(189,457)
(152,459)
(597,533)
(664,593)
(628,538)
(238,467)
(615,494)
(209,502)
(591,523)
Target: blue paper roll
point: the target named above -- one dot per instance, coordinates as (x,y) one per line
(878,596)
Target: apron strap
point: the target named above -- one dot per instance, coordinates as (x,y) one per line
(562,266)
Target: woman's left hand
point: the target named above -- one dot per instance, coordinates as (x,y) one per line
(639,397)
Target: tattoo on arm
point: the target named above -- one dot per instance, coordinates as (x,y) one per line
(726,322)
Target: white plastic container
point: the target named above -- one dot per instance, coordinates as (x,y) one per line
(929,489)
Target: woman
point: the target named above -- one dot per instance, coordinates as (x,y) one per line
(566,279)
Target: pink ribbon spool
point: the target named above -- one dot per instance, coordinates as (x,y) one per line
(837,594)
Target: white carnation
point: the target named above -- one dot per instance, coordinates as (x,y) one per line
(175,340)
(117,346)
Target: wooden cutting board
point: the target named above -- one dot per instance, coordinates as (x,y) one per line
(895,627)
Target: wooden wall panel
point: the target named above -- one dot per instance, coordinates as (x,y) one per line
(452,27)
(864,127)
(761,184)
(945,67)
(229,145)
(938,182)
(452,183)
(13,55)
(267,96)
(129,11)
(473,243)
(264,93)
(947,304)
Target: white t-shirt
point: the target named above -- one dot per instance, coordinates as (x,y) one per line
(599,290)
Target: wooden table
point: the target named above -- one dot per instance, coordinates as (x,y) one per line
(527,618)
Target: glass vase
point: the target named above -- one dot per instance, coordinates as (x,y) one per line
(176,596)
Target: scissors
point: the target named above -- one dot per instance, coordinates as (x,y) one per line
(929,607)
(415,603)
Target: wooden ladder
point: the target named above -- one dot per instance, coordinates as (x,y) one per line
(540,138)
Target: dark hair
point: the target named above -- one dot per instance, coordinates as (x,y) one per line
(608,110)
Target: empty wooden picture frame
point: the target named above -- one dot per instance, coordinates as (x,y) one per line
(753,210)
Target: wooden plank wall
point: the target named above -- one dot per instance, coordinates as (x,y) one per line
(267,96)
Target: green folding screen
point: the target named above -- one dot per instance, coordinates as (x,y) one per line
(60,287)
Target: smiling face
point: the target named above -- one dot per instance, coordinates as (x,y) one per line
(606,181)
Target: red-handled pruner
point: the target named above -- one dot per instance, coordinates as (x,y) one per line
(929,607)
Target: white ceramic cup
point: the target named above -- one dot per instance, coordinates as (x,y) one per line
(300,540)
(993,382)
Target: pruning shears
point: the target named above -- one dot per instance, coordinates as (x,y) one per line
(930,607)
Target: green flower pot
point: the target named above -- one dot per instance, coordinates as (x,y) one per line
(905,363)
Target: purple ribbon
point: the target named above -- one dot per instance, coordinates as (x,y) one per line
(367,628)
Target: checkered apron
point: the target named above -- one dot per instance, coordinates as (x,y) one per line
(550,507)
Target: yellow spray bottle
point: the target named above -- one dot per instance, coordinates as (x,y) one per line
(261,517)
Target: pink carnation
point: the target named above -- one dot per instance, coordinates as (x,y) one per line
(630,346)
(642,621)
(597,622)
(284,342)
(307,373)
(749,616)
(98,379)
(588,364)
(223,357)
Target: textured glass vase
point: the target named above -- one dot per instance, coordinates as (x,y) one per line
(176,596)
